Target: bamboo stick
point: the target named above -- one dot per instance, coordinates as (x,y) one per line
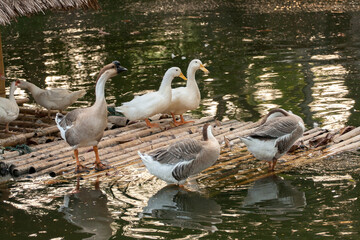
(343,143)
(22,138)
(347,135)
(21,101)
(38,112)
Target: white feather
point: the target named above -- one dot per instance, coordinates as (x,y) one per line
(162,171)
(262,150)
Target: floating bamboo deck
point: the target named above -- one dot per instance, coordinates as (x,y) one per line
(119,148)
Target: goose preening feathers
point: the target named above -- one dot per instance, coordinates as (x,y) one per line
(9,110)
(184,158)
(144,106)
(278,131)
(188,97)
(85,127)
(54,99)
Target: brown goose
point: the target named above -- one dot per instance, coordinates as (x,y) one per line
(54,99)
(85,127)
(278,131)
(184,158)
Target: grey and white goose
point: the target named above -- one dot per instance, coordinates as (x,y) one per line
(183,158)
(85,127)
(277,132)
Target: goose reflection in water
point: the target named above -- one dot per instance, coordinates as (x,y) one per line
(87,209)
(276,194)
(176,206)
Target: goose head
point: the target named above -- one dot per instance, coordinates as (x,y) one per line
(174,72)
(197,64)
(111,70)
(21,84)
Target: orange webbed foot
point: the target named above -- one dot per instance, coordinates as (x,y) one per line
(151,125)
(81,169)
(101,167)
(183,120)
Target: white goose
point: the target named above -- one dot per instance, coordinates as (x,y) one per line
(278,131)
(54,99)
(9,110)
(186,98)
(149,104)
(85,127)
(184,158)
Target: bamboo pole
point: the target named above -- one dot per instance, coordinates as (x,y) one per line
(22,138)
(2,71)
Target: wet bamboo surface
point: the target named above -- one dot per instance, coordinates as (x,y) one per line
(119,148)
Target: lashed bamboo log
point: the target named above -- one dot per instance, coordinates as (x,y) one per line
(21,101)
(22,138)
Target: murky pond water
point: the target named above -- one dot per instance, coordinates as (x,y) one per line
(304,61)
(316,202)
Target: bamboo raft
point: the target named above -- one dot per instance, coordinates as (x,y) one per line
(119,148)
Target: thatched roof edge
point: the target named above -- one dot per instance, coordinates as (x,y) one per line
(10,9)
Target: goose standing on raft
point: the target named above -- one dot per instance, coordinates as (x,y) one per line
(149,104)
(85,127)
(54,99)
(186,98)
(184,158)
(277,132)
(9,110)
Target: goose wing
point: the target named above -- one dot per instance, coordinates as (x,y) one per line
(8,108)
(285,131)
(181,154)
(276,128)
(182,151)
(67,121)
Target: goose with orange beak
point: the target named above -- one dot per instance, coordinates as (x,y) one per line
(186,98)
(147,105)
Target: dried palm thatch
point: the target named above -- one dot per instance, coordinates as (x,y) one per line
(10,9)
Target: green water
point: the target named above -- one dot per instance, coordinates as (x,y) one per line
(306,61)
(319,201)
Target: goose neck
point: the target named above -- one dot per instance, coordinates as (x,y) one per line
(100,88)
(165,85)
